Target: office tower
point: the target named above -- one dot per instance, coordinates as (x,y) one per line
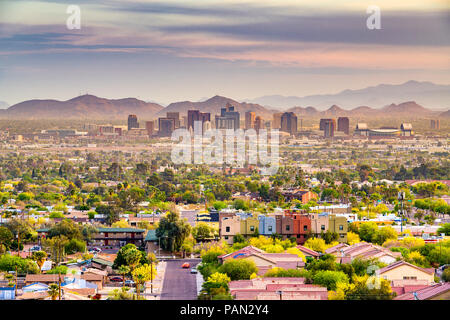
(328,126)
(175,116)
(132,122)
(435,124)
(195,115)
(344,125)
(249,120)
(118,131)
(166,126)
(277,120)
(228,119)
(192,116)
(258,124)
(289,123)
(150,126)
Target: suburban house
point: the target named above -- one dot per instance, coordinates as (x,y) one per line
(402,270)
(339,225)
(110,236)
(101,264)
(151,241)
(230,225)
(267,225)
(308,252)
(319,223)
(265,261)
(363,250)
(43,278)
(276,289)
(118,236)
(440,291)
(302,195)
(7,293)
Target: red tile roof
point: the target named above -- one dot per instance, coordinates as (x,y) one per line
(425,293)
(308,251)
(402,263)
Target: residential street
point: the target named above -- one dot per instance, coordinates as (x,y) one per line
(179,283)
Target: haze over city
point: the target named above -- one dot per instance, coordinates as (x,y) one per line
(185,50)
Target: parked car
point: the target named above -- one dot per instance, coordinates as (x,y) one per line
(115,279)
(129,282)
(194,270)
(185,265)
(35,248)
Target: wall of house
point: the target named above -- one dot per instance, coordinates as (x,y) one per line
(234,225)
(267,225)
(249,225)
(337,223)
(407,271)
(317,222)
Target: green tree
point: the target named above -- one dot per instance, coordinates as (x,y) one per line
(238,269)
(329,279)
(124,270)
(172,231)
(53,291)
(39,257)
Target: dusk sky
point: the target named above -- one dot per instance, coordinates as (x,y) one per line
(167,51)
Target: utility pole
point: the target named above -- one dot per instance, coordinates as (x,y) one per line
(18,242)
(59,285)
(151,276)
(15,290)
(401,197)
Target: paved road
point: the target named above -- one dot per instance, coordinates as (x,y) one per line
(179,283)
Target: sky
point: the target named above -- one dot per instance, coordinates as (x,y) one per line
(177,50)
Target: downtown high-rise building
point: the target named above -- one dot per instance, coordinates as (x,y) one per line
(289,123)
(132,122)
(175,116)
(165,127)
(276,124)
(343,125)
(250,120)
(196,115)
(435,124)
(228,119)
(150,127)
(328,126)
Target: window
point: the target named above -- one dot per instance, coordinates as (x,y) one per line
(270,228)
(409,278)
(252,228)
(288,228)
(305,228)
(322,227)
(227,229)
(342,235)
(341,227)
(226,237)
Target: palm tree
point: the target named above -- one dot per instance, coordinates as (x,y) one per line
(53,290)
(123,270)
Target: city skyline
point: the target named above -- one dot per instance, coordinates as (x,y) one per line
(175,51)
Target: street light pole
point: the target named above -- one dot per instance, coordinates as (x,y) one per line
(151,276)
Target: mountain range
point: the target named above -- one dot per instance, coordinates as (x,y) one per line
(82,107)
(432,95)
(91,107)
(213,106)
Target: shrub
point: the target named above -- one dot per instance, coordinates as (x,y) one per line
(238,269)
(329,279)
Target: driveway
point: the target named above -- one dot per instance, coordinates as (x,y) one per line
(179,283)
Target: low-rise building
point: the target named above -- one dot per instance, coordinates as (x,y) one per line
(276,289)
